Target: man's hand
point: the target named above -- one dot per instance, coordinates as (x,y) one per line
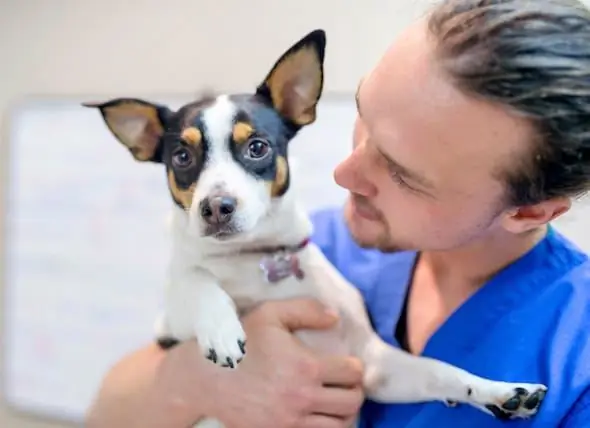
(281,383)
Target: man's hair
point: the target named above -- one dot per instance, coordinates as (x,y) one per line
(532,56)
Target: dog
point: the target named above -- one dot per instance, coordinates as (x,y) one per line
(240,237)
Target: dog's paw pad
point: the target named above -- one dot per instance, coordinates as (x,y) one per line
(522,402)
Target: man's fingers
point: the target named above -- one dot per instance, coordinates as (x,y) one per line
(299,314)
(338,402)
(321,421)
(341,371)
(296,314)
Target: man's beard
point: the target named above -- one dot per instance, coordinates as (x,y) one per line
(384,243)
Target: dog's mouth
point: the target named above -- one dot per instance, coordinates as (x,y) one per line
(221,233)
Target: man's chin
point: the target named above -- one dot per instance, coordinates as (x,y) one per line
(364,232)
(377,243)
(368,234)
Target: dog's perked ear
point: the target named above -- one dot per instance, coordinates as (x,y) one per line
(294,84)
(137,124)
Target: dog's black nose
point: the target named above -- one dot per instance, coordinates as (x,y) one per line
(218,209)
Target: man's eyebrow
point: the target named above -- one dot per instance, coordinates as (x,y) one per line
(356,97)
(406,172)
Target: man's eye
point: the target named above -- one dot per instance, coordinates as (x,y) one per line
(399,180)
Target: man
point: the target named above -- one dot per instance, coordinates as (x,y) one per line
(472,136)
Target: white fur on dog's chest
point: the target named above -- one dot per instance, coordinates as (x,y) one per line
(207,289)
(242,277)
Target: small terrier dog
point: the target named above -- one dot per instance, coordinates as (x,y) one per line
(239,237)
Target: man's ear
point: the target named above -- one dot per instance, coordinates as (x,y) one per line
(137,124)
(294,84)
(526,218)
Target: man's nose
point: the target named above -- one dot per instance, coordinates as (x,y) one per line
(354,172)
(218,209)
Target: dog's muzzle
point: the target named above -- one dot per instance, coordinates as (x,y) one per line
(217,212)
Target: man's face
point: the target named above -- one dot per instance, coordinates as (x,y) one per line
(423,173)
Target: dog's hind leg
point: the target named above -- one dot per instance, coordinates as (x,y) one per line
(393,375)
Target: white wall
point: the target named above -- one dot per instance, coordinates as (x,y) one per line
(64,48)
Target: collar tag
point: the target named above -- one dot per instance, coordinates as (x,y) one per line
(281,265)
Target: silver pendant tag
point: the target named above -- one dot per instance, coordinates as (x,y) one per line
(279,266)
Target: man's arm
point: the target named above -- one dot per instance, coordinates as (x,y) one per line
(153,388)
(280,383)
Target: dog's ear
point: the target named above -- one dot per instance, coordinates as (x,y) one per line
(294,84)
(137,124)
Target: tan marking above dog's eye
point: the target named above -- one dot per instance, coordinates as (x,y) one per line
(242,131)
(192,136)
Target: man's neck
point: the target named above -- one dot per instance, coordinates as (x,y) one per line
(473,265)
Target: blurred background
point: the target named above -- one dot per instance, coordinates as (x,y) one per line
(82,226)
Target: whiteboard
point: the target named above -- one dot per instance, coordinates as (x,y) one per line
(87,247)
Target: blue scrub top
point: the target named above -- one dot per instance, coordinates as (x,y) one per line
(530,323)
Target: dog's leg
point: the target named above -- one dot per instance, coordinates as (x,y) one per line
(197,307)
(393,375)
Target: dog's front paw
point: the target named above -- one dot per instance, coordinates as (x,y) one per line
(221,336)
(507,400)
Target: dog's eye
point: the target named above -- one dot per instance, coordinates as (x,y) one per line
(182,158)
(258,149)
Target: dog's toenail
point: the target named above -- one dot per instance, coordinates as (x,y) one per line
(520,391)
(212,355)
(242,345)
(469,392)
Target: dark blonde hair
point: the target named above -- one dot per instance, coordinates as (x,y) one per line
(532,56)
